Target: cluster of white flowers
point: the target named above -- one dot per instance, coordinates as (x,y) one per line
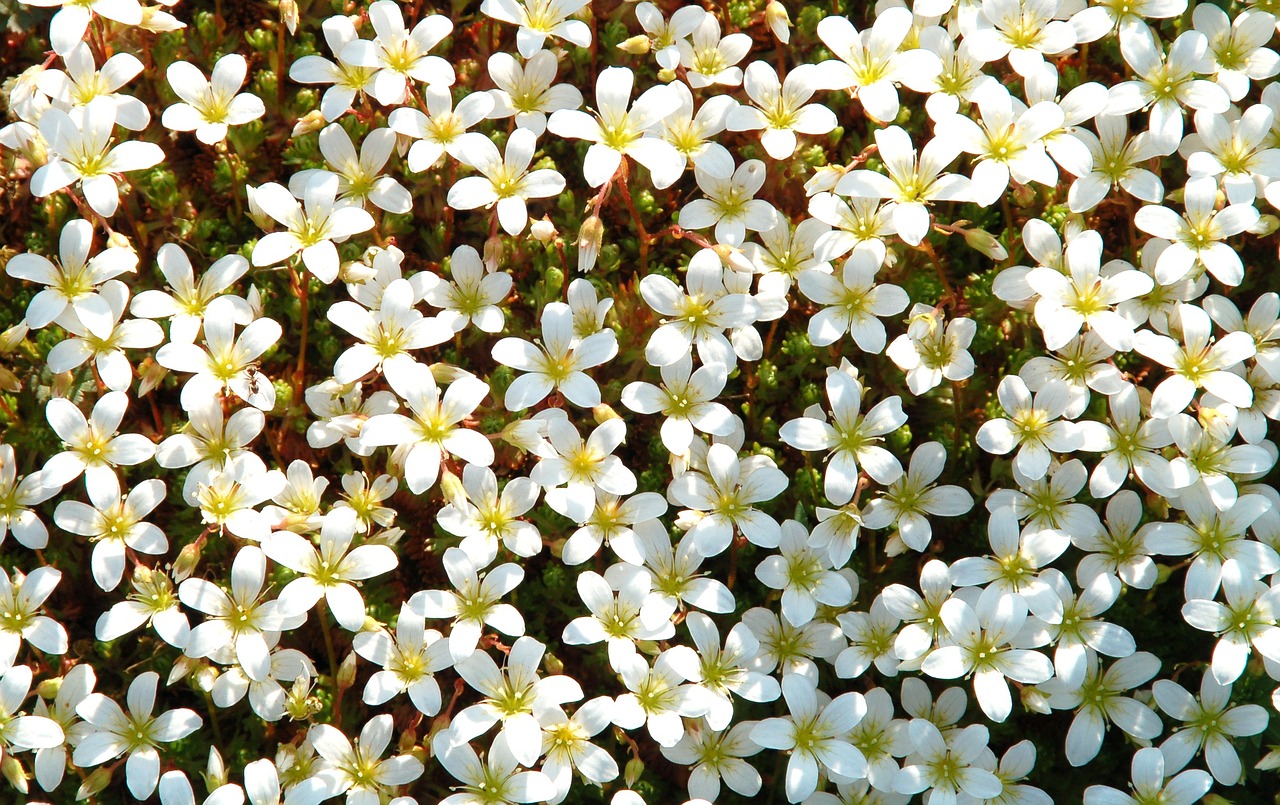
(1144,387)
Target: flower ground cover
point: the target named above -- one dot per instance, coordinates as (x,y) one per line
(543,400)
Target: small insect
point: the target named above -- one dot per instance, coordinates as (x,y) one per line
(254,377)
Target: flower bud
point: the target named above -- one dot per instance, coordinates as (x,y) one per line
(634,768)
(1024,195)
(289,15)
(310,122)
(150,374)
(347,671)
(1265,227)
(451,487)
(188,559)
(589,238)
(779,21)
(603,413)
(493,254)
(48,688)
(985,242)
(95,783)
(256,213)
(1035,700)
(12,337)
(215,774)
(637,45)
(733,258)
(158,21)
(542,230)
(118,240)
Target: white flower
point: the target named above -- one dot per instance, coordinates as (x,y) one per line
(1166,83)
(1196,363)
(693,134)
(92,446)
(1238,47)
(566,744)
(80,153)
(70,24)
(355,768)
(914,495)
(347,78)
(791,649)
(803,576)
(781,108)
(947,765)
(1101,696)
(619,132)
(686,399)
(815,733)
(17,497)
(1009,143)
(72,282)
(187,301)
(474,294)
(726,496)
(617,621)
(1031,425)
(539,19)
(441,130)
(529,92)
(475,603)
(697,315)
(852,438)
(434,431)
(722,671)
(1117,161)
(153,600)
(483,517)
(331,571)
(388,333)
(399,55)
(82,81)
(585,466)
(211,105)
(664,34)
(228,362)
(1023,30)
(556,365)
(22,732)
(229,498)
(1149,784)
(507,181)
(1247,619)
(360,178)
(409,662)
(138,732)
(311,229)
(715,755)
(104,341)
(493,781)
(1086,296)
(1210,725)
(239,620)
(1197,235)
(1234,150)
(656,699)
(731,205)
(981,643)
(872,61)
(114,524)
(929,352)
(913,181)
(709,58)
(852,302)
(512,696)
